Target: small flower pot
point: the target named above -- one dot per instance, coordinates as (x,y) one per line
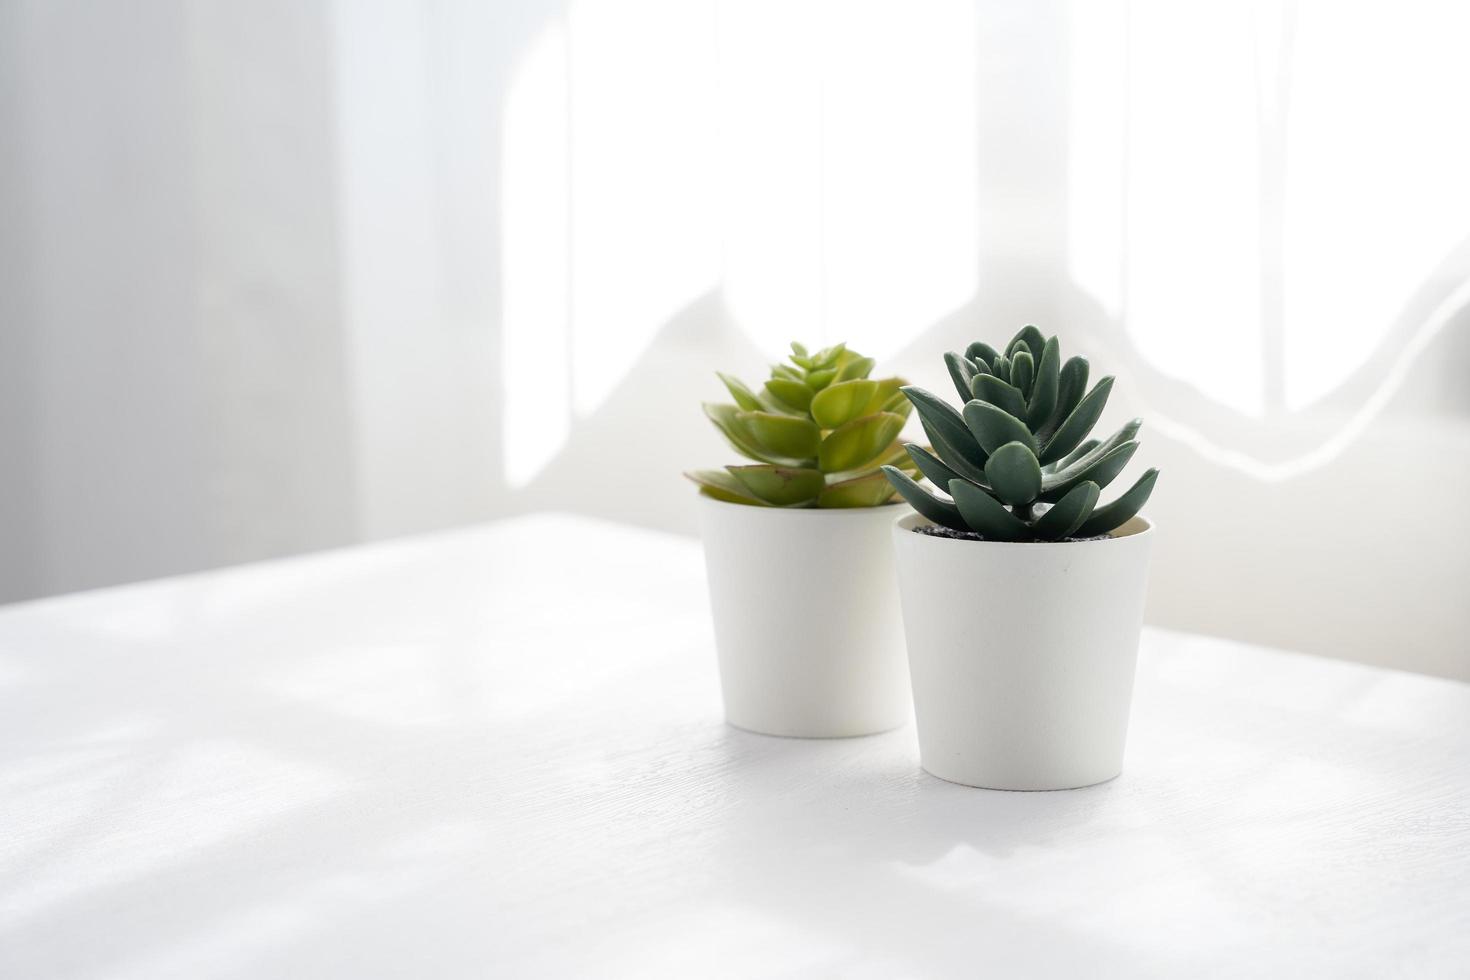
(807,624)
(1022,654)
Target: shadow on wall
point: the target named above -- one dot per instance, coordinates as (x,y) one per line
(1363,557)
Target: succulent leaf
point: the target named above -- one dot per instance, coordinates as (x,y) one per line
(1071,457)
(1109,517)
(1014,474)
(931,466)
(986,515)
(947,430)
(820,379)
(828,356)
(981,353)
(770,403)
(1023,372)
(989,388)
(727,419)
(1032,337)
(783,435)
(1001,368)
(1071,432)
(961,372)
(1077,461)
(854,367)
(993,427)
(840,403)
(939,511)
(968,462)
(1067,514)
(795,396)
(722,486)
(1044,389)
(782,486)
(1071,386)
(1101,470)
(870,490)
(859,442)
(887,388)
(897,455)
(744,397)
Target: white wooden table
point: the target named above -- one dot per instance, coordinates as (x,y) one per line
(498,752)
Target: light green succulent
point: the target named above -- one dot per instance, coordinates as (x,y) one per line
(818,431)
(1016,459)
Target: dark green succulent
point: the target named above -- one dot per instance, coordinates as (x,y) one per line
(818,431)
(1017,459)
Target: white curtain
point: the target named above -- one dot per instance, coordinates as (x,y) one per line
(285,275)
(250,299)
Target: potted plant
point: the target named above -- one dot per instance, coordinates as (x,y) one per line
(1022,597)
(797,545)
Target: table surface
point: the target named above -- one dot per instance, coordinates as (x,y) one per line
(499,751)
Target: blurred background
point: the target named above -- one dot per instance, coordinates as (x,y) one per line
(286,275)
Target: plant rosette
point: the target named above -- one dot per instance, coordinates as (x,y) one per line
(798,550)
(1022,596)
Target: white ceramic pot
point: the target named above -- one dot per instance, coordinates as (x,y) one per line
(807,623)
(1022,655)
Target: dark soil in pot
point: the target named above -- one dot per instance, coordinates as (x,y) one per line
(937,531)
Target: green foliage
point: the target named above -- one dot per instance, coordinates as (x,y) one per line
(818,432)
(1016,459)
